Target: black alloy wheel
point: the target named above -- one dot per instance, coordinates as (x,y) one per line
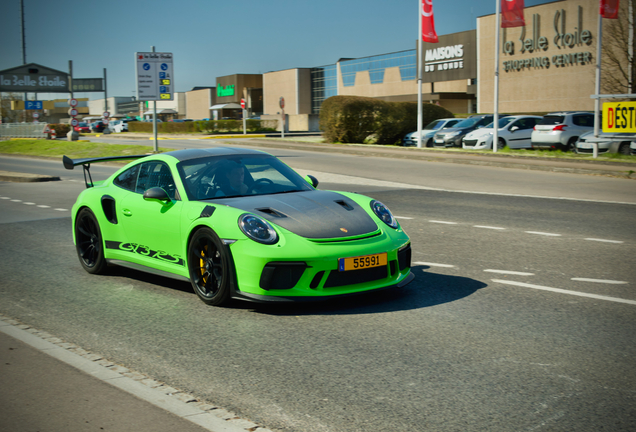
(88,242)
(209,267)
(501,143)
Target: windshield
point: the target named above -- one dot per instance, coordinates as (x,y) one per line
(434,125)
(503,122)
(469,122)
(234,176)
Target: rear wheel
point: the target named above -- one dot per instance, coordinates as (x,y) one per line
(209,267)
(88,242)
(571,145)
(624,149)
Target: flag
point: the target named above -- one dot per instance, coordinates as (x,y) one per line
(609,9)
(428,22)
(512,13)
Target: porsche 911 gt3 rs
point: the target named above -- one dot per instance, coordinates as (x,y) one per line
(237,223)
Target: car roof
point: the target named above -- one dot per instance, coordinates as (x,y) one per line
(188,154)
(569,112)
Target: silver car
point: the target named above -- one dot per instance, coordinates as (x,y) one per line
(514,132)
(561,130)
(607,143)
(429,131)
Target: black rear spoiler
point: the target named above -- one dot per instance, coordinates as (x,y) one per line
(69,164)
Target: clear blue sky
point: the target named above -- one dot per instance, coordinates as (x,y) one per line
(212,38)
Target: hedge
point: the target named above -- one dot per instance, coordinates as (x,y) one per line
(356,119)
(205,126)
(60,129)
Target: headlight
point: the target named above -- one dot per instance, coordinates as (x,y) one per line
(257,229)
(383,213)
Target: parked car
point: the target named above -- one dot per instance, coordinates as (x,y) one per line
(514,132)
(83,127)
(452,137)
(632,148)
(176,121)
(429,131)
(607,142)
(561,130)
(98,126)
(118,126)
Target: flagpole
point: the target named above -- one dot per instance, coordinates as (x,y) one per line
(419,75)
(495,120)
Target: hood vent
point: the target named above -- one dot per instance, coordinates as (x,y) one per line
(344,204)
(272,212)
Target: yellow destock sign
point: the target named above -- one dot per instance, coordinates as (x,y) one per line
(619,117)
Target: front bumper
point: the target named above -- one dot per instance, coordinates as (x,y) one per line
(301,269)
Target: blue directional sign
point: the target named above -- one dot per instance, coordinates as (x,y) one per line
(164,67)
(146,66)
(33,105)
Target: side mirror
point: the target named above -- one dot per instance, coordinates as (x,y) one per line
(514,128)
(156,194)
(312,180)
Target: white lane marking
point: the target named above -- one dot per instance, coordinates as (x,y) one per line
(443,222)
(44,206)
(509,272)
(603,240)
(61,209)
(402,217)
(544,233)
(28,203)
(562,291)
(16,200)
(605,281)
(5,198)
(434,264)
(488,227)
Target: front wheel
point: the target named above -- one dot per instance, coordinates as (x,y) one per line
(209,267)
(88,242)
(501,143)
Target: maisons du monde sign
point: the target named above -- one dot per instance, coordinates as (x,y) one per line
(564,37)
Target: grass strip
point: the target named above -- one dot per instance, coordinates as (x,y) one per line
(72,149)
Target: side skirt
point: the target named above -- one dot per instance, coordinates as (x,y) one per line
(146,269)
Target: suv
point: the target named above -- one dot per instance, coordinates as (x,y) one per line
(452,137)
(561,130)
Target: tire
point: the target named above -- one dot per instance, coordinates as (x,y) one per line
(429,143)
(209,267)
(571,145)
(624,149)
(89,243)
(501,143)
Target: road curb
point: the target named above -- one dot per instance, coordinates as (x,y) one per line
(25,178)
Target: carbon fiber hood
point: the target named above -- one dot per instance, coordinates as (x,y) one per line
(310,214)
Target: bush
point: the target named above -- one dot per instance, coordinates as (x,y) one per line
(354,119)
(203,126)
(60,129)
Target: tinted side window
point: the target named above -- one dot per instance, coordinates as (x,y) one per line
(128,178)
(583,120)
(552,120)
(451,123)
(156,174)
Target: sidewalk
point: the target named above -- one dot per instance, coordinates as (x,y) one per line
(46,387)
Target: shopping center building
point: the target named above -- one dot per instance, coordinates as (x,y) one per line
(548,65)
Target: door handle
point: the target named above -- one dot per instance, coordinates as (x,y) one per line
(127,212)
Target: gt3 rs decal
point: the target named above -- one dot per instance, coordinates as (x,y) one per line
(145,251)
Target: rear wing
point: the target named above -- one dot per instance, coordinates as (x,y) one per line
(69,164)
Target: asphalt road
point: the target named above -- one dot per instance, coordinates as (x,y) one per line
(521,316)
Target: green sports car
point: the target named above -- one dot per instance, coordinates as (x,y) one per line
(237,223)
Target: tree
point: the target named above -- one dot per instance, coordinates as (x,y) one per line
(617,61)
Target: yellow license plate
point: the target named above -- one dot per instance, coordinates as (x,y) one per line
(362,262)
